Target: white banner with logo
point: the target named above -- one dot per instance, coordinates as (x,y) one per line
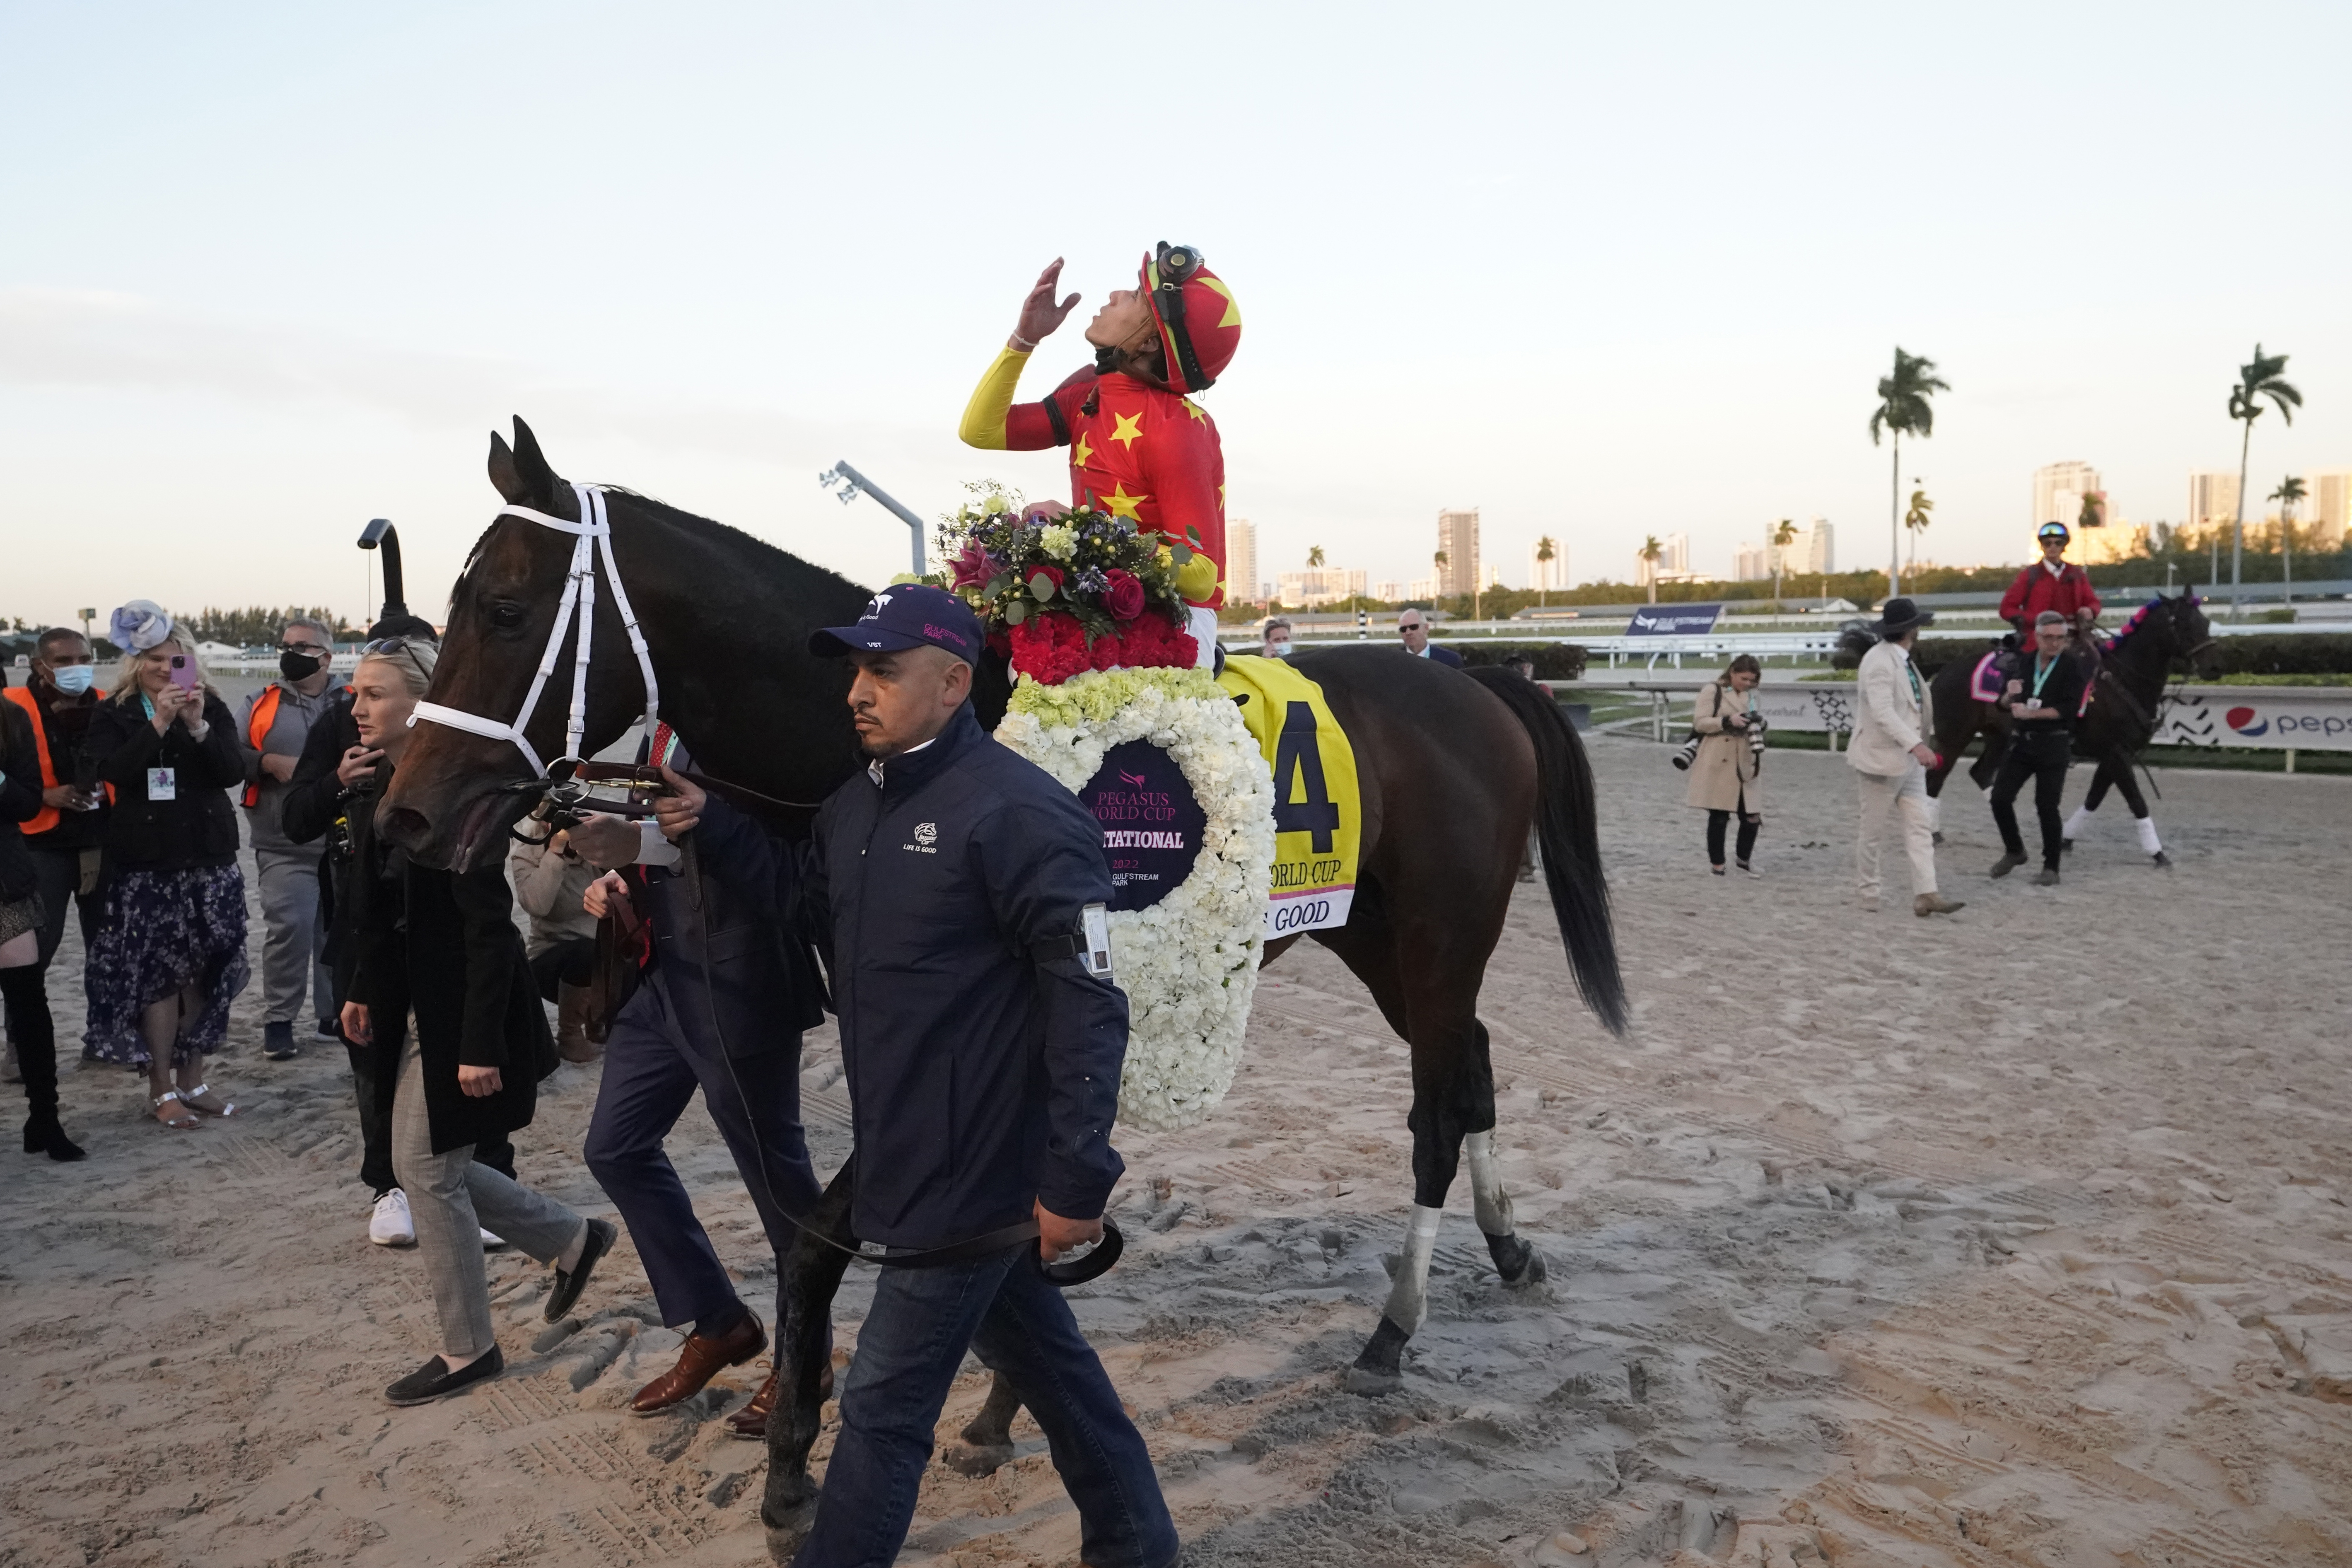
(2277,718)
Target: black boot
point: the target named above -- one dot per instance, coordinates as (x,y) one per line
(37,1051)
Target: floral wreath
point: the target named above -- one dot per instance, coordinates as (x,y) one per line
(1085,608)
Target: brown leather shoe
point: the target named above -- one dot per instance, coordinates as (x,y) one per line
(752,1421)
(698,1362)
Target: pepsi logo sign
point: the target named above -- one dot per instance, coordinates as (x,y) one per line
(2246,722)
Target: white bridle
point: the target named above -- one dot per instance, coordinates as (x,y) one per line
(594,532)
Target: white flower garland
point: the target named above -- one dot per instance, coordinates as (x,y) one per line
(1188,963)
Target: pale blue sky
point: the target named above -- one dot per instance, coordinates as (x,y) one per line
(266,272)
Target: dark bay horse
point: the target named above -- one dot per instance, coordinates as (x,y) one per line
(1454,768)
(2126,705)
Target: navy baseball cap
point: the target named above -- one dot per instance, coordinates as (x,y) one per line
(912,616)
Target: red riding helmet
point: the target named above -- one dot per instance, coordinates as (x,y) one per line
(1200,325)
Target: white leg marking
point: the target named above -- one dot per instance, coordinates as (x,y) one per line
(1409,1296)
(2076,823)
(2147,839)
(1492,1203)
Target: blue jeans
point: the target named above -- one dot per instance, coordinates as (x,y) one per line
(908,1355)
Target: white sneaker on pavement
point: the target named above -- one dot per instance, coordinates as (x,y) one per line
(390,1225)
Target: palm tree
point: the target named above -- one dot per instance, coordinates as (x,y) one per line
(1903,404)
(1915,521)
(1784,534)
(2289,492)
(1651,552)
(1547,552)
(2256,381)
(1315,558)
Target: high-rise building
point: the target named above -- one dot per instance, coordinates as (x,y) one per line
(2058,492)
(1319,587)
(1241,560)
(1673,564)
(2327,510)
(1548,576)
(1457,539)
(1422,588)
(2212,499)
(1814,550)
(1751,563)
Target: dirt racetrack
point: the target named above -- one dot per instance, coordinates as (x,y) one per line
(2019,1238)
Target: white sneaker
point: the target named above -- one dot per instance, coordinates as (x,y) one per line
(390,1225)
(492,1242)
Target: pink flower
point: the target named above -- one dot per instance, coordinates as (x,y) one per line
(972,569)
(1124,595)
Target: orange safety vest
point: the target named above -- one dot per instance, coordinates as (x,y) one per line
(48,816)
(257,731)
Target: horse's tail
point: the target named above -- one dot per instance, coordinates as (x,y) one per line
(1565,828)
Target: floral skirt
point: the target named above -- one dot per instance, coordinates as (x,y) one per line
(162,932)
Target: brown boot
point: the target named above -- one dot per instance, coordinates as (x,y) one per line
(752,1421)
(572,1042)
(1928,904)
(697,1362)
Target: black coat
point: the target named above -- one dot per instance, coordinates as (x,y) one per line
(20,800)
(982,1059)
(444,944)
(197,827)
(313,797)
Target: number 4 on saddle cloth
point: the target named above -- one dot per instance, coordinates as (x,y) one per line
(1318,811)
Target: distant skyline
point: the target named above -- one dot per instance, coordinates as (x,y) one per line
(270,270)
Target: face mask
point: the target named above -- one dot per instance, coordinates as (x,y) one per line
(74,679)
(298,665)
(1277,650)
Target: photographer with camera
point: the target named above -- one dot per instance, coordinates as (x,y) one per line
(1726,755)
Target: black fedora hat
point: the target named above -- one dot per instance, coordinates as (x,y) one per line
(1898,616)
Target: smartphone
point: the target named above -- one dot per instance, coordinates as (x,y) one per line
(184,672)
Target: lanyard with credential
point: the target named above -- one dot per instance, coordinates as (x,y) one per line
(2041,675)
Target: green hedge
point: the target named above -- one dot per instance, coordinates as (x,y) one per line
(1554,661)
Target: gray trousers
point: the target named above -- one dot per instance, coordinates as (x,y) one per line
(452,1197)
(293,939)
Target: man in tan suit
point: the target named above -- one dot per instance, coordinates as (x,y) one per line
(1890,757)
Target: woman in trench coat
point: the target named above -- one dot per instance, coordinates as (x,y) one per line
(1724,780)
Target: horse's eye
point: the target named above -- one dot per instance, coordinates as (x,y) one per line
(506,616)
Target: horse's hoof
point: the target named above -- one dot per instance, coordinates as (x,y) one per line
(1939,838)
(788,1506)
(1370,1383)
(978,1460)
(784,1541)
(1377,1369)
(2163,861)
(1516,1261)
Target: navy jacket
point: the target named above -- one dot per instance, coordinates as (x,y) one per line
(981,1077)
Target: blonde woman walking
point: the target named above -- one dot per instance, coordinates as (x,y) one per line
(1724,775)
(438,990)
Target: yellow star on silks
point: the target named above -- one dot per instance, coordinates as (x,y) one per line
(1193,409)
(1233,312)
(1124,429)
(1122,504)
(1080,453)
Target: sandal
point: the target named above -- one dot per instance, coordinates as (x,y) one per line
(188,1097)
(172,1096)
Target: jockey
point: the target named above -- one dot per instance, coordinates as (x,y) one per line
(2051,584)
(1139,448)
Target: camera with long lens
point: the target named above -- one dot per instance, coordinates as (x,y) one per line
(1687,753)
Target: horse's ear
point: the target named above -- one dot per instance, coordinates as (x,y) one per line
(521,472)
(503,477)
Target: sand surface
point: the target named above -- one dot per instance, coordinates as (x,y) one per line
(2016,1237)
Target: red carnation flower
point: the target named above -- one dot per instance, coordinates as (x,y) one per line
(972,569)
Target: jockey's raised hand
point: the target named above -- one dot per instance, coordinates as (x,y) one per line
(1039,315)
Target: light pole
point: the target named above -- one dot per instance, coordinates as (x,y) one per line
(853,483)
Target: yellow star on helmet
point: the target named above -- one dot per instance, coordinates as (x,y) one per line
(1122,504)
(1124,428)
(1081,453)
(1233,312)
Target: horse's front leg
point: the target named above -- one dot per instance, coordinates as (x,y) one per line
(812,1274)
(987,1441)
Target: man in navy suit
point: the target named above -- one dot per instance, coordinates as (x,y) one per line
(1413,627)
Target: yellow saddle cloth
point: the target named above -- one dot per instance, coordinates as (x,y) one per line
(1318,811)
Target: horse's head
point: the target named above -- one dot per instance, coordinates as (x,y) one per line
(2190,635)
(450,803)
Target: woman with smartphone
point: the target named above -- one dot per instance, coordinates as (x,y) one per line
(169,952)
